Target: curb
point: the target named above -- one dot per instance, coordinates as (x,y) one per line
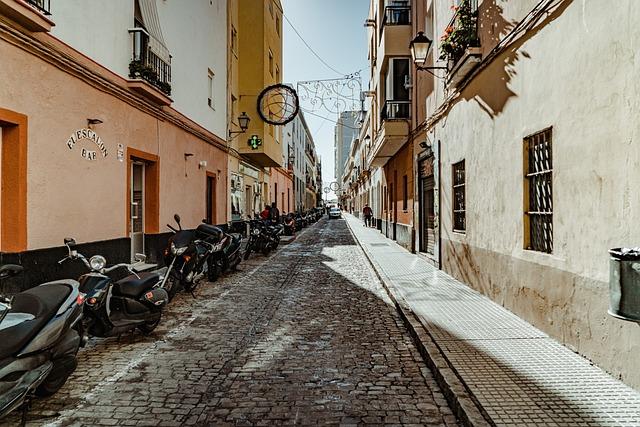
(464,407)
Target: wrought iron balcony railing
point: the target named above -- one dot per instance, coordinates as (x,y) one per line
(147,65)
(42,6)
(396,15)
(396,110)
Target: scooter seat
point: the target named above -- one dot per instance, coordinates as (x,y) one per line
(42,302)
(131,286)
(207,230)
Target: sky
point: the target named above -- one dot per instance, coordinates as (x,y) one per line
(335,30)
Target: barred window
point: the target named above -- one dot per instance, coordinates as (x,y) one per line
(459,203)
(538,219)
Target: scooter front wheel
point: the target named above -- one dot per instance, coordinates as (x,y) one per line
(213,270)
(171,286)
(148,327)
(62,369)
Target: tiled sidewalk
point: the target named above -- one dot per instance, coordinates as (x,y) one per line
(514,372)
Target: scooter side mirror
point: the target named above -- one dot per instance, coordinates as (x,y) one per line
(69,241)
(140,257)
(176,217)
(10,270)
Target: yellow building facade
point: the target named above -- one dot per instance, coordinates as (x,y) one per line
(255,62)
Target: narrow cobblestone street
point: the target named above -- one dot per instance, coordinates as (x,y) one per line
(305,336)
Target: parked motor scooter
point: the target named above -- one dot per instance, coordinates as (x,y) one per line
(187,256)
(301,221)
(114,307)
(40,334)
(228,255)
(289,223)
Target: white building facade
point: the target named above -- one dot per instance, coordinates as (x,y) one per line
(534,129)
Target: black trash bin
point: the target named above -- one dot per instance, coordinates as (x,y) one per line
(624,284)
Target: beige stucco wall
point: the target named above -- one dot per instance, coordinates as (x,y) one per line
(71,196)
(579,76)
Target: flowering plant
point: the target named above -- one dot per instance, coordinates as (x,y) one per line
(460,34)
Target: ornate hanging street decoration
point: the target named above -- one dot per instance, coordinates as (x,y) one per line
(278,104)
(332,95)
(255,142)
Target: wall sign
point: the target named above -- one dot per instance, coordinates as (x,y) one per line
(255,142)
(120,152)
(89,135)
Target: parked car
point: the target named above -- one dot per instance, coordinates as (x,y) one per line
(335,213)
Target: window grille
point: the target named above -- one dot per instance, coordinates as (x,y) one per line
(459,203)
(538,192)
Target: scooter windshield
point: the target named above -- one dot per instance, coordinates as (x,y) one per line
(182,238)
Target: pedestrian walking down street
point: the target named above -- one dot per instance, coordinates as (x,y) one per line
(368,213)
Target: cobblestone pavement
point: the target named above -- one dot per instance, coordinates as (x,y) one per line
(305,336)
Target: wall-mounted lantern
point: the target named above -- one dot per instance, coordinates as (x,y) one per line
(419,48)
(243,122)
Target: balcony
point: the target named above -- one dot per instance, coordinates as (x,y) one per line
(150,75)
(395,33)
(460,44)
(396,15)
(392,110)
(393,131)
(31,14)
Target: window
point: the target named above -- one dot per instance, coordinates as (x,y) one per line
(538,197)
(234,40)
(270,7)
(270,62)
(405,192)
(459,203)
(210,199)
(275,193)
(396,78)
(277,74)
(396,90)
(210,100)
(278,25)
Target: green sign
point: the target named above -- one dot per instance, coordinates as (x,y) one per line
(255,142)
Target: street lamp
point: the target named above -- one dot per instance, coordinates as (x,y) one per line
(243,122)
(419,47)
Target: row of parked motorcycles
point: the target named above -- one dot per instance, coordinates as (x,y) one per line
(298,220)
(42,328)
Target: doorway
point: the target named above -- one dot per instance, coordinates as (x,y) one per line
(137,210)
(13,177)
(248,201)
(427,206)
(210,199)
(142,195)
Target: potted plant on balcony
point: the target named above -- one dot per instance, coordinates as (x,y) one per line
(460,34)
(138,70)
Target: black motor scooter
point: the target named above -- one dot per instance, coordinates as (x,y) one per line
(228,254)
(187,256)
(40,334)
(289,223)
(114,307)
